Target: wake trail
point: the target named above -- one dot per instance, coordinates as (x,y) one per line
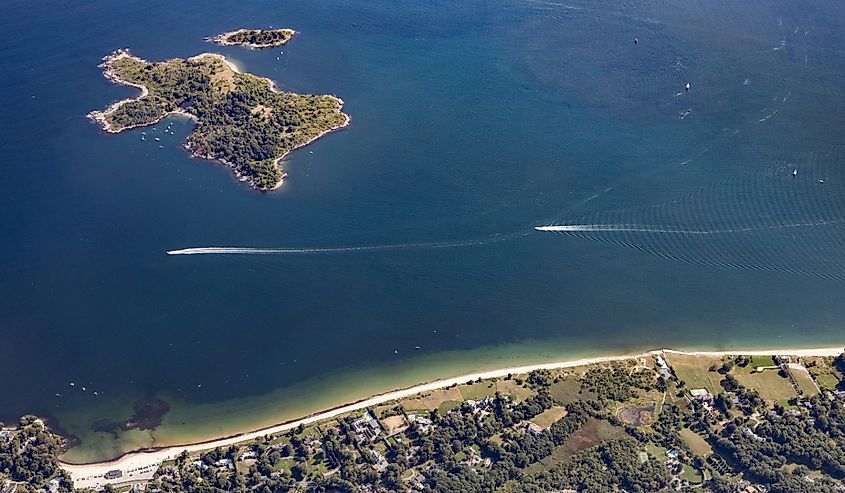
(598,228)
(222,250)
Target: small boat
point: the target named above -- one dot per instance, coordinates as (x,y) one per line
(157,139)
(794,173)
(821,181)
(416,347)
(687,87)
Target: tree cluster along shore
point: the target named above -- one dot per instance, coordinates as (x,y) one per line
(91,474)
(285,122)
(255,38)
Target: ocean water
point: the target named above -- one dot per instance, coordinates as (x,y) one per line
(472,123)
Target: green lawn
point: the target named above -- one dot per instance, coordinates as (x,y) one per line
(513,389)
(770,385)
(565,391)
(827,381)
(805,381)
(447,406)
(694,371)
(761,361)
(549,417)
(478,391)
(691,474)
(696,442)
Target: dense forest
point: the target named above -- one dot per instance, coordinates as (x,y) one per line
(261,38)
(28,457)
(241,120)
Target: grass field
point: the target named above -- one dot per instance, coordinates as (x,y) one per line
(513,389)
(804,380)
(691,474)
(770,385)
(549,417)
(694,371)
(478,391)
(657,451)
(762,361)
(447,406)
(696,442)
(432,400)
(565,391)
(827,381)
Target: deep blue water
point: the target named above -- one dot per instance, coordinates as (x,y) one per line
(471,120)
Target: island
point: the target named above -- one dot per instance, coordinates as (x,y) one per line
(255,38)
(242,120)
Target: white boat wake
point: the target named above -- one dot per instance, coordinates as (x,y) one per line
(630,228)
(305,251)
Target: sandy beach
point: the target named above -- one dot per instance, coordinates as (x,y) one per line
(142,463)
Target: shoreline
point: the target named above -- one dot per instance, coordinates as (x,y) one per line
(145,458)
(99,117)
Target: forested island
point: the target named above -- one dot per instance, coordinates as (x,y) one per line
(241,119)
(661,422)
(255,38)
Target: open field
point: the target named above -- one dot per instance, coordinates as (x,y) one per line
(565,391)
(804,380)
(477,391)
(549,417)
(770,385)
(693,369)
(432,400)
(510,387)
(827,381)
(696,442)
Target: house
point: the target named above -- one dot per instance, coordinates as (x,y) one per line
(663,368)
(249,454)
(417,481)
(701,395)
(367,427)
(534,429)
(227,463)
(381,463)
(52,486)
(750,433)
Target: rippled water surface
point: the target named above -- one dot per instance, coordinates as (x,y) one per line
(711,218)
